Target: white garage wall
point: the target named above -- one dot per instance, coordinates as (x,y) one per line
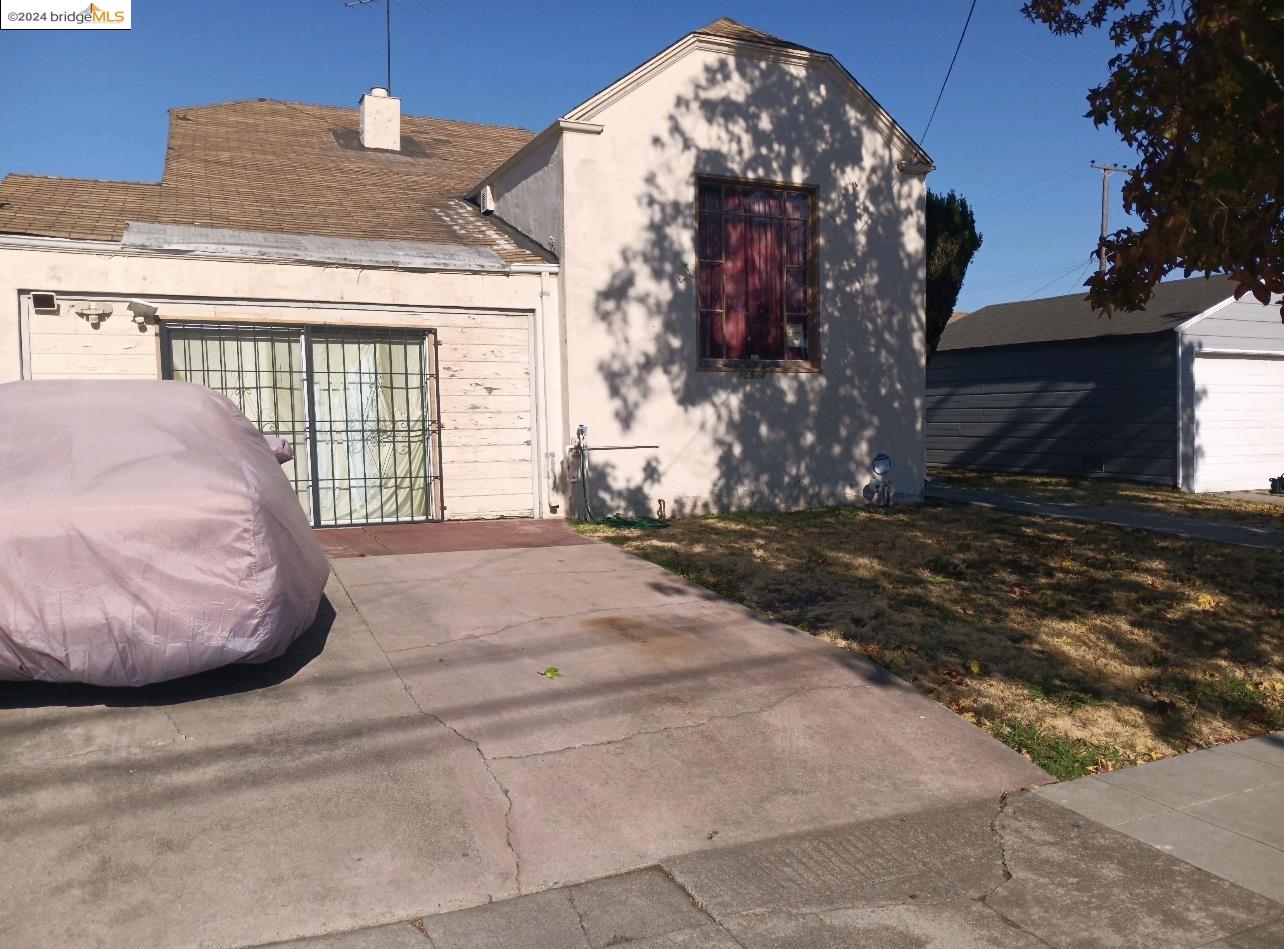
(1232,397)
(1238,421)
(486,409)
(492,389)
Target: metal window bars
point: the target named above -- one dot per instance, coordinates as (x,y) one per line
(361,400)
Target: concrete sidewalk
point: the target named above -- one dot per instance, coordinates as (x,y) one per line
(407,758)
(1017,872)
(1189,528)
(1221,809)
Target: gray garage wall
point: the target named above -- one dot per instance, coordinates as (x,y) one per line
(1105,406)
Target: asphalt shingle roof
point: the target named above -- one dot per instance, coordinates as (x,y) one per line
(728,28)
(1070,317)
(264,165)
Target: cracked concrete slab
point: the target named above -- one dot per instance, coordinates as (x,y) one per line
(645,904)
(679,719)
(537,921)
(984,874)
(958,925)
(1266,936)
(622,672)
(367,778)
(816,758)
(1076,883)
(428,599)
(345,807)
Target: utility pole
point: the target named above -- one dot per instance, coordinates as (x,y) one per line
(1107,170)
(387,14)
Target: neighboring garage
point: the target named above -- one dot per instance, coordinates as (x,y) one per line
(1188,392)
(1238,395)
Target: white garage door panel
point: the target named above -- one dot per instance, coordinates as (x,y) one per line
(1239,421)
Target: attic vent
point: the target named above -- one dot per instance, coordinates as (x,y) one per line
(486,200)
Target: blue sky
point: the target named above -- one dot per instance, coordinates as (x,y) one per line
(1009,134)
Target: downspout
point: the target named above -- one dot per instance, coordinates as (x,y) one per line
(549,471)
(24,336)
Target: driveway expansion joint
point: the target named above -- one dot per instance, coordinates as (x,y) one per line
(684,726)
(662,866)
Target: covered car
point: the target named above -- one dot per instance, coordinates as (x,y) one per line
(147,532)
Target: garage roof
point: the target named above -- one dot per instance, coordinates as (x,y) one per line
(282,167)
(1057,319)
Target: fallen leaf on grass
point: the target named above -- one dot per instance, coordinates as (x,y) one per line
(974,667)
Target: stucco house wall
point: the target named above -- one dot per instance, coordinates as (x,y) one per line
(729,439)
(494,387)
(602,332)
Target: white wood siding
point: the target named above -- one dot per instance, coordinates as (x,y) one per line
(1238,421)
(486,406)
(1241,325)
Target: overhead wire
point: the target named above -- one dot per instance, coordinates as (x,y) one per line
(1056,279)
(946,80)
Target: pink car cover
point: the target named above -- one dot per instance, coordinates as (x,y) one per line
(147,532)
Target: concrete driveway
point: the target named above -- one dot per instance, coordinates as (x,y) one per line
(407,757)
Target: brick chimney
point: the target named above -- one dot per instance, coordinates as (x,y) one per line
(380,120)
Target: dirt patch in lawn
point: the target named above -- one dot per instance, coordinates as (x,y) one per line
(1084,646)
(1145,497)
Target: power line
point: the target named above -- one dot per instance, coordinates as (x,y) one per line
(1050,185)
(1022,275)
(1062,175)
(946,80)
(1056,279)
(1078,278)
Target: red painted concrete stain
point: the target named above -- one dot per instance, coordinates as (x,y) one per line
(384,539)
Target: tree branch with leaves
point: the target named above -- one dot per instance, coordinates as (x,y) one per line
(1195,89)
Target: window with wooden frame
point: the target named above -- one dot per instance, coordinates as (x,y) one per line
(757,275)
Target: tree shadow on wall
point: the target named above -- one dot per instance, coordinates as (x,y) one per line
(781,440)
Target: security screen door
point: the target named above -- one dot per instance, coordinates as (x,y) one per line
(356,403)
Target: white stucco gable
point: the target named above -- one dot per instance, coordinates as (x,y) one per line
(741,42)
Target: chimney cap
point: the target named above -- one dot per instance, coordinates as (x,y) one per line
(378,91)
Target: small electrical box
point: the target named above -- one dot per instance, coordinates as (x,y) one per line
(44,302)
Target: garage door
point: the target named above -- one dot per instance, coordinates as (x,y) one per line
(1239,421)
(355,402)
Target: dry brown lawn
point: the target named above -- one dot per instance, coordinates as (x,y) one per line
(1084,646)
(1146,497)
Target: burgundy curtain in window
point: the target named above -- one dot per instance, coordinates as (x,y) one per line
(765,284)
(753,272)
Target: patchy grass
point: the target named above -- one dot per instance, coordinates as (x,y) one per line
(1146,497)
(1086,647)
